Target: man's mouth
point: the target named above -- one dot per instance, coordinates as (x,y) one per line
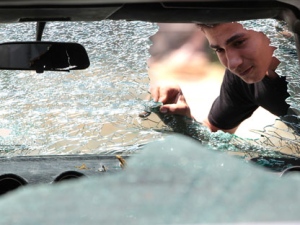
(246,72)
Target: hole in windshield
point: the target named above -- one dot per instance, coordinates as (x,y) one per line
(260,66)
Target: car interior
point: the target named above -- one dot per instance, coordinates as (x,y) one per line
(41,56)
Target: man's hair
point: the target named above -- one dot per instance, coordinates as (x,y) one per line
(207,25)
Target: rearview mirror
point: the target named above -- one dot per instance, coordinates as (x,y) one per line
(43,56)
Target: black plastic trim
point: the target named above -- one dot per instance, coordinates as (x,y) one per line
(10,182)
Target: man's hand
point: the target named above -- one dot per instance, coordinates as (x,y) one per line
(172,98)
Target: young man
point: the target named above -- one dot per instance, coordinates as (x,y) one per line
(250,79)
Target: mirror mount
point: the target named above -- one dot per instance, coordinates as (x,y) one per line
(40,26)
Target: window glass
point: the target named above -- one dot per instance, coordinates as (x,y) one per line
(99,109)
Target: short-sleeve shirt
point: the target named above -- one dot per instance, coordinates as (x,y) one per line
(238,100)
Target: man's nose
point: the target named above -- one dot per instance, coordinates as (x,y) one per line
(234,60)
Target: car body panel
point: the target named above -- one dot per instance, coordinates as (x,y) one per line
(155,11)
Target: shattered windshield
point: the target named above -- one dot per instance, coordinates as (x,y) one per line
(106,108)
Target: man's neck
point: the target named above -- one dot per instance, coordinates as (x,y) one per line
(273,66)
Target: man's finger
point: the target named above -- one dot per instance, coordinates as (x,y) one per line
(175,109)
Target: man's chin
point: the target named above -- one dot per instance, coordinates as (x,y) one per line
(253,77)
(250,80)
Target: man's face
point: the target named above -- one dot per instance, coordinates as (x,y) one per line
(246,53)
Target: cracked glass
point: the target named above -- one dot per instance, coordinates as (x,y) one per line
(106,108)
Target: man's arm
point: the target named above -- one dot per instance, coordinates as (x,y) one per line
(175,103)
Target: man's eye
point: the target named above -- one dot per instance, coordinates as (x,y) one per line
(219,50)
(239,43)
